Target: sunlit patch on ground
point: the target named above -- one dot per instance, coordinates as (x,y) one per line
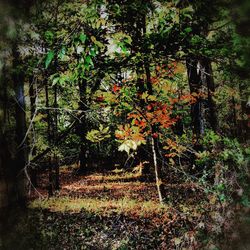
(129,207)
(119,211)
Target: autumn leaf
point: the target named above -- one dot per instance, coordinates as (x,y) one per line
(116,88)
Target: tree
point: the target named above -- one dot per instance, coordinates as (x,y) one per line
(14,147)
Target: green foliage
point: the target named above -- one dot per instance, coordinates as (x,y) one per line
(97,136)
(50,56)
(49,36)
(220,148)
(128,145)
(225,164)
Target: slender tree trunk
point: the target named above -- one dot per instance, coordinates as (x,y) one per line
(55,139)
(32,96)
(244,129)
(157,171)
(179,126)
(50,185)
(153,143)
(21,129)
(234,129)
(82,127)
(56,169)
(248,120)
(60,137)
(5,154)
(207,77)
(195,85)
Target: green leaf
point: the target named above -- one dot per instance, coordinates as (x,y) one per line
(92,52)
(88,61)
(176,2)
(49,36)
(105,130)
(127,145)
(124,147)
(62,53)
(188,30)
(187,12)
(82,38)
(55,81)
(97,136)
(49,58)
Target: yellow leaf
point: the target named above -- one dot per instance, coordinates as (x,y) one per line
(144,95)
(93,39)
(152,98)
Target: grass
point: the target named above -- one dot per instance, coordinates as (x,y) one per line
(116,176)
(107,209)
(101,206)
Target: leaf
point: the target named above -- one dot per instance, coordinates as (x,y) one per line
(188,30)
(49,36)
(105,130)
(62,53)
(82,38)
(188,9)
(79,50)
(187,12)
(92,52)
(116,88)
(127,145)
(152,98)
(98,24)
(93,39)
(144,95)
(177,241)
(88,61)
(99,44)
(201,225)
(49,58)
(176,2)
(55,80)
(124,147)
(98,135)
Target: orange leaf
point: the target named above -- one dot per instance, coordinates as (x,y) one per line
(116,88)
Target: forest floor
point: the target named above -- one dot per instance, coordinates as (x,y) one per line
(117,210)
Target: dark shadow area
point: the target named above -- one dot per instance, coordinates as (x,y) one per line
(42,229)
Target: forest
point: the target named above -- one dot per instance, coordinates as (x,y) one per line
(125,124)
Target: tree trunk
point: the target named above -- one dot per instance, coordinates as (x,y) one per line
(234,129)
(208,80)
(195,85)
(244,128)
(55,123)
(50,185)
(32,96)
(21,129)
(55,142)
(82,126)
(157,171)
(5,154)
